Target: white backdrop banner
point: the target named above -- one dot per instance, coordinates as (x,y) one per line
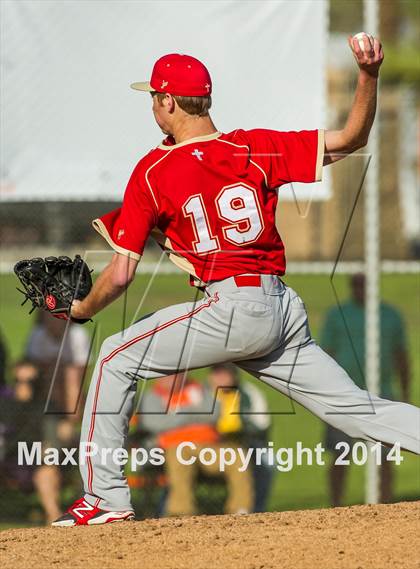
(72,129)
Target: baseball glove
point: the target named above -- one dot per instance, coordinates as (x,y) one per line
(53,283)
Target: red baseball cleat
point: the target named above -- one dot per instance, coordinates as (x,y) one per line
(81,513)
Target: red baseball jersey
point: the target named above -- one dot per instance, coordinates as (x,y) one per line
(210,201)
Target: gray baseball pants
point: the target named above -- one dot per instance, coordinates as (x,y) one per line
(265,331)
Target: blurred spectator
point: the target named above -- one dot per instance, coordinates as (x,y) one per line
(244,418)
(61,351)
(3,362)
(343,337)
(22,418)
(179,409)
(5,395)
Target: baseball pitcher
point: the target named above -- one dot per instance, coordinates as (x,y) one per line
(209,199)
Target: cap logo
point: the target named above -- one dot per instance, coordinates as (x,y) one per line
(164,84)
(207,86)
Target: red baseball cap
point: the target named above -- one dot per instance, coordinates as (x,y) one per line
(178,74)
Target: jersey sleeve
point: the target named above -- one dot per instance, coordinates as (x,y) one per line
(288,156)
(127,228)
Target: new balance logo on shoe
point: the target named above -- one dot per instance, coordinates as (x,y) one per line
(81,513)
(84,507)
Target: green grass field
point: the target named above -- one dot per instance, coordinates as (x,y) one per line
(304,486)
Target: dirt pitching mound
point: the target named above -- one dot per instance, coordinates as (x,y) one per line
(359,537)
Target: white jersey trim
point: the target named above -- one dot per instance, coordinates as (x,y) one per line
(99,226)
(204,138)
(320,155)
(146,177)
(175,256)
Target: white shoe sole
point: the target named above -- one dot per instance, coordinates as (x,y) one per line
(105,518)
(111,517)
(64,524)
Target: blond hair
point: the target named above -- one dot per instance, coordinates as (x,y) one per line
(191,105)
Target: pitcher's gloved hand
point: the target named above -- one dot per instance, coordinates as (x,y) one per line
(53,283)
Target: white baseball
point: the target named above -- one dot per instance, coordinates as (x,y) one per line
(360,37)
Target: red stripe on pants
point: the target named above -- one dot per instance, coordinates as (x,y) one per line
(215,298)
